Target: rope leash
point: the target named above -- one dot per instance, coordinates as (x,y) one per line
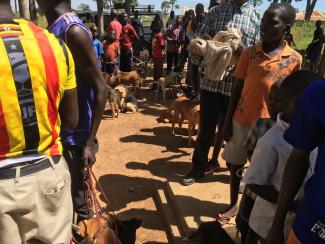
(93,204)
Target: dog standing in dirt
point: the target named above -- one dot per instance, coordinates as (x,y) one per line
(170,80)
(184,109)
(114,99)
(127,78)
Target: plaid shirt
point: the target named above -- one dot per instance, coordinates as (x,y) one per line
(243,17)
(257,132)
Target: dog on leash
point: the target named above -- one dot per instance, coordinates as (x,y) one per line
(103,230)
(184,109)
(172,79)
(114,99)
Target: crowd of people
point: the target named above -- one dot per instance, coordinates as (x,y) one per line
(266,109)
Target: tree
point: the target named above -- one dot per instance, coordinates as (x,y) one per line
(100,9)
(84,7)
(23,9)
(33,11)
(165,6)
(173,4)
(309,9)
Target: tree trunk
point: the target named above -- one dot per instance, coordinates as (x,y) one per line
(100,9)
(128,7)
(16,7)
(23,9)
(33,11)
(309,9)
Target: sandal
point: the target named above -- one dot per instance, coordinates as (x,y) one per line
(223,220)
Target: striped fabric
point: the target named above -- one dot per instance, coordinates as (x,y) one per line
(36,69)
(244,18)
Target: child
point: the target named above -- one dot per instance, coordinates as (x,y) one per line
(98,47)
(111,52)
(158,47)
(258,68)
(275,106)
(265,174)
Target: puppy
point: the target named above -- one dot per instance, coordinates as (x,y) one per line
(98,231)
(114,99)
(128,102)
(104,229)
(128,78)
(170,80)
(185,109)
(211,233)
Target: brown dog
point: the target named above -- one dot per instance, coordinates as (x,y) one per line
(127,78)
(98,231)
(184,108)
(114,99)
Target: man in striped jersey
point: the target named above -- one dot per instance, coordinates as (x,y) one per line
(38,97)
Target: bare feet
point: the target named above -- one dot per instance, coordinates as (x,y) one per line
(225,217)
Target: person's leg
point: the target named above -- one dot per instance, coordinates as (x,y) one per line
(208,122)
(73,156)
(236,156)
(123,60)
(169,62)
(213,163)
(175,61)
(129,60)
(252,237)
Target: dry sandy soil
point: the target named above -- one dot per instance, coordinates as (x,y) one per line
(136,155)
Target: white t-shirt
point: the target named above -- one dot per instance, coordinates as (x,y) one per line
(267,168)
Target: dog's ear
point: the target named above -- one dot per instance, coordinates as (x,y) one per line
(133,223)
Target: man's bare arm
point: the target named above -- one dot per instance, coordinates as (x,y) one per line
(86,65)
(68,110)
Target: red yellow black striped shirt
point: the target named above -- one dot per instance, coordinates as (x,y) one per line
(35,70)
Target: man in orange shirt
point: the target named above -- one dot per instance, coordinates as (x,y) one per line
(38,98)
(259,67)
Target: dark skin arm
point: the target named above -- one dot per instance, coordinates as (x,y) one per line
(235,96)
(295,173)
(266,192)
(68,110)
(86,64)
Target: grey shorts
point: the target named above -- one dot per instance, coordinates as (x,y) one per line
(235,152)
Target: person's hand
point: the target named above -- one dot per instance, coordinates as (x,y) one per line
(227,131)
(88,156)
(275,236)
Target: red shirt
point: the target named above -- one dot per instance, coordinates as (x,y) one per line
(158,45)
(128,33)
(112,52)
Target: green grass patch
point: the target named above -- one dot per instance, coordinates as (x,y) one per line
(303,33)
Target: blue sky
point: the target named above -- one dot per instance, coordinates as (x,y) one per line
(320,6)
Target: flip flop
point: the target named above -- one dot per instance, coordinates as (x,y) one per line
(223,220)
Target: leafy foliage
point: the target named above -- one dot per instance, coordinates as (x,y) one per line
(84,7)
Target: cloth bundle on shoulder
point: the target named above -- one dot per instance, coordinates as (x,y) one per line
(217,54)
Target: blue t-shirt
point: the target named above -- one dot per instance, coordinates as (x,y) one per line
(307,132)
(98,48)
(85,92)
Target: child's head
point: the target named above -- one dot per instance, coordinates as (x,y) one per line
(292,88)
(276,19)
(111,36)
(94,31)
(275,104)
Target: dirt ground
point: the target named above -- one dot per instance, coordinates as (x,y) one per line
(136,155)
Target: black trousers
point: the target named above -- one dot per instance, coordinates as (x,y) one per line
(73,156)
(172,60)
(213,107)
(126,59)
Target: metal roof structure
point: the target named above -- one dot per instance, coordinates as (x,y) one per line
(314,17)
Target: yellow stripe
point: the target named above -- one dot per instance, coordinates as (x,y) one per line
(10,105)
